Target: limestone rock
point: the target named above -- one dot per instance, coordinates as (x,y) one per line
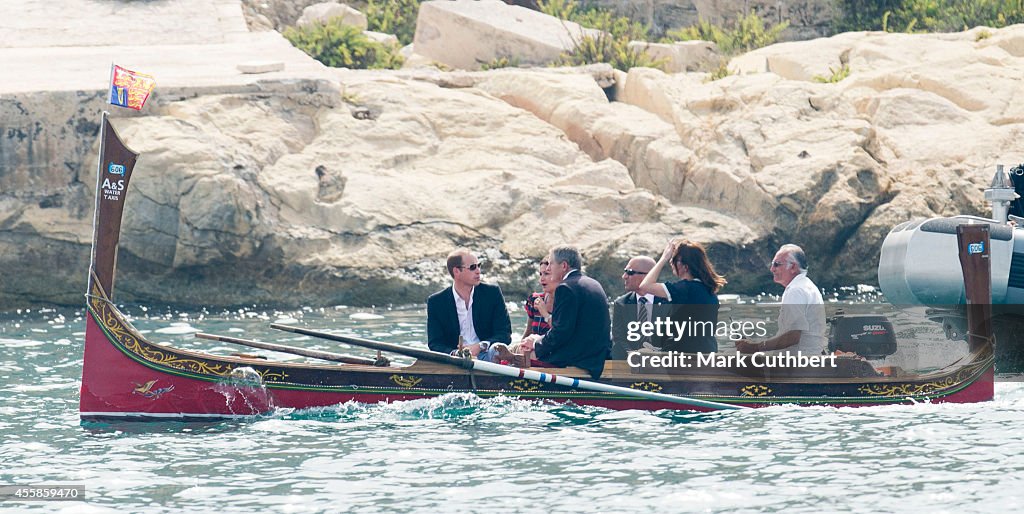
(303,185)
(273,14)
(808,19)
(382,38)
(914,128)
(647,88)
(682,55)
(256,67)
(469,33)
(325,11)
(73,23)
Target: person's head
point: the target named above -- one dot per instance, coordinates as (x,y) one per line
(464,267)
(690,260)
(636,269)
(547,283)
(789,262)
(562,259)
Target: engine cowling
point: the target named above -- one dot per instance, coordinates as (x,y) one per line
(919,264)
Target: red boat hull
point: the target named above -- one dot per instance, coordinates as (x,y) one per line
(124,376)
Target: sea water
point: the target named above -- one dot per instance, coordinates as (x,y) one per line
(459,453)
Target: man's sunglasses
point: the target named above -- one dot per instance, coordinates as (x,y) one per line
(472,267)
(630,272)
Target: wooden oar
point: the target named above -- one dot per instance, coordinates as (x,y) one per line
(327,356)
(510,371)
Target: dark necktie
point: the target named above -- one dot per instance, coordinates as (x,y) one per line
(641,315)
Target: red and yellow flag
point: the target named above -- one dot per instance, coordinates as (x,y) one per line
(128,88)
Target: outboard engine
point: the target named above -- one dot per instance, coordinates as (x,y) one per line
(919,266)
(869,335)
(919,263)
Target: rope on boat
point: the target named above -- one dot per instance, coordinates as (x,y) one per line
(984,339)
(465,355)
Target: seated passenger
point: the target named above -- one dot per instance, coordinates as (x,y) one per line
(632,307)
(802,314)
(538,305)
(693,297)
(470,309)
(580,332)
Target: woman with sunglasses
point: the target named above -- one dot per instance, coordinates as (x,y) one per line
(694,295)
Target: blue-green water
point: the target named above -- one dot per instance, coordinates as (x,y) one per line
(460,453)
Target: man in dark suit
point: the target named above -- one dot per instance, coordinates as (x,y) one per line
(630,307)
(580,324)
(469,309)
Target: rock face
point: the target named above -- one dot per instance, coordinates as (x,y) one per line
(317,186)
(320,13)
(682,55)
(466,34)
(277,14)
(807,18)
(915,130)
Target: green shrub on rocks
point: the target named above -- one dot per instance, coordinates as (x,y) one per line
(396,17)
(500,62)
(343,46)
(611,46)
(562,9)
(608,49)
(748,33)
(837,75)
(720,73)
(926,15)
(620,27)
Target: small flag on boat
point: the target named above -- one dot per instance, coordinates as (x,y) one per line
(128,88)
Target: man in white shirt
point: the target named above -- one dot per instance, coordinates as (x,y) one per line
(802,314)
(469,309)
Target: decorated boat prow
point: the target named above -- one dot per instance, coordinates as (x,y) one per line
(116,382)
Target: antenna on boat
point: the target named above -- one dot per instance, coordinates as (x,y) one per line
(1000,193)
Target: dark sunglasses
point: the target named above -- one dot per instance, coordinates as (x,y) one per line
(776,264)
(472,267)
(630,272)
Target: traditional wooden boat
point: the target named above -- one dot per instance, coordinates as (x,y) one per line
(126,376)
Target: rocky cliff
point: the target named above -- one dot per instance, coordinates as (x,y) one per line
(316,186)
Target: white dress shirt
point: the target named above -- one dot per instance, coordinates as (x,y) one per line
(465,312)
(803,309)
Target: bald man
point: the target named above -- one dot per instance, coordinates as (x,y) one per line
(631,306)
